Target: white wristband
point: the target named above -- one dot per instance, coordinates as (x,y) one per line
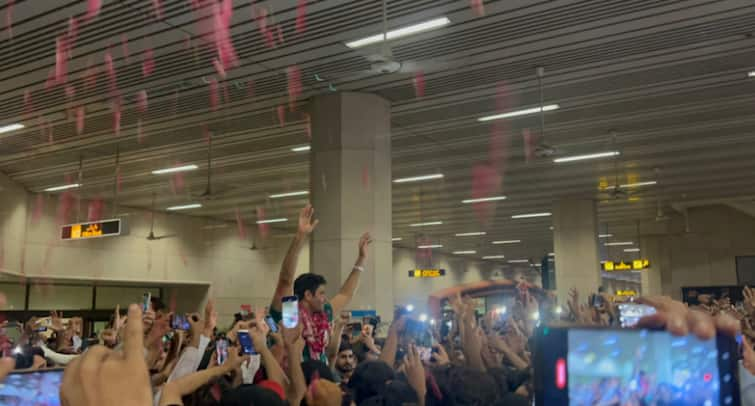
(359,268)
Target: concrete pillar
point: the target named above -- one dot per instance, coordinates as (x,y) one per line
(575,240)
(351,191)
(650,278)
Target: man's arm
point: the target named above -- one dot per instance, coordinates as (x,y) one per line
(344,295)
(288,268)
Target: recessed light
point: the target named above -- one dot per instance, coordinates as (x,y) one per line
(11,127)
(474,234)
(184,207)
(494,257)
(619,243)
(400,32)
(419,178)
(636,184)
(62,187)
(484,199)
(586,157)
(429,246)
(631,250)
(517,113)
(175,169)
(518,261)
(507,242)
(530,215)
(289,194)
(470,252)
(605,235)
(429,223)
(303,148)
(270,221)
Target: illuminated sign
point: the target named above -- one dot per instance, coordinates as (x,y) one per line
(427,273)
(627,292)
(93,229)
(636,265)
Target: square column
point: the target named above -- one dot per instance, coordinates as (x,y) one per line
(350,178)
(575,240)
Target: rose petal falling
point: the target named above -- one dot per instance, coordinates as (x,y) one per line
(141,101)
(73,32)
(110,69)
(93,8)
(148,62)
(281,115)
(263,228)
(308,125)
(219,68)
(80,117)
(65,204)
(139,131)
(9,18)
(419,84)
(301,16)
(279,33)
(116,106)
(178,179)
(293,74)
(486,182)
(222,15)
(478,7)
(28,105)
(61,60)
(157,7)
(94,210)
(124,48)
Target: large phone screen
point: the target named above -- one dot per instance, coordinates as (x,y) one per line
(615,367)
(35,388)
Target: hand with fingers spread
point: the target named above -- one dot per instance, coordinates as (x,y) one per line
(104,377)
(210,318)
(749,300)
(292,337)
(415,373)
(56,322)
(306,223)
(364,244)
(439,355)
(680,320)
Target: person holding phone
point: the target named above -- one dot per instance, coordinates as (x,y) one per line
(315,310)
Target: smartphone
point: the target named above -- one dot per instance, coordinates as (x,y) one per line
(583,365)
(41,387)
(180,322)
(596,300)
(247,346)
(419,332)
(146,301)
(631,313)
(290,311)
(356,329)
(221,348)
(40,329)
(272,324)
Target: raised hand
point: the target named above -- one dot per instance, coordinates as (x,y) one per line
(749,300)
(292,337)
(306,223)
(364,243)
(56,321)
(439,356)
(415,372)
(210,318)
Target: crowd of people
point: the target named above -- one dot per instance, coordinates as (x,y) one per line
(327,358)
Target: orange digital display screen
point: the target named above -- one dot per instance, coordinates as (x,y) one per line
(96,229)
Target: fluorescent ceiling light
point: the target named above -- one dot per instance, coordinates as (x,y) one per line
(419,178)
(751,74)
(214,226)
(62,187)
(605,235)
(518,261)
(185,207)
(290,194)
(471,234)
(175,169)
(631,250)
(613,244)
(303,148)
(507,242)
(424,247)
(429,223)
(551,254)
(494,257)
(471,252)
(400,32)
(484,199)
(586,157)
(11,127)
(637,184)
(396,239)
(530,215)
(281,220)
(517,113)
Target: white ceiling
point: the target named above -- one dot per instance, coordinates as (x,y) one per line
(667,78)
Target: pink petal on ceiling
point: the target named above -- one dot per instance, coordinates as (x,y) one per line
(110,69)
(93,8)
(94,210)
(478,7)
(293,74)
(308,125)
(141,101)
(157,7)
(73,32)
(281,115)
(219,68)
(61,60)
(279,33)
(419,84)
(301,16)
(124,48)
(9,17)
(214,98)
(148,62)
(80,117)
(530,142)
(486,182)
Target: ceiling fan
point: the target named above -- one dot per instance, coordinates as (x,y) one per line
(543,149)
(151,236)
(208,193)
(383,61)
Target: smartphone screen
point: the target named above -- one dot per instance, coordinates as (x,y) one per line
(290,311)
(631,313)
(146,299)
(247,346)
(180,322)
(221,348)
(271,323)
(356,329)
(32,388)
(577,366)
(419,333)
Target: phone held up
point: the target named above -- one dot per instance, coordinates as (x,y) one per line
(271,323)
(221,348)
(290,311)
(247,346)
(180,322)
(146,301)
(580,364)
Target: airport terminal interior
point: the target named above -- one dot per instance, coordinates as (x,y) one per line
(377,202)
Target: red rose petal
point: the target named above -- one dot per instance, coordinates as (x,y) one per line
(9,17)
(419,84)
(93,8)
(148,62)
(293,73)
(157,7)
(124,48)
(301,16)
(281,115)
(308,125)
(94,212)
(478,7)
(141,101)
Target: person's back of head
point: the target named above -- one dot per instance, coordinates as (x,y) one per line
(463,386)
(251,395)
(316,369)
(323,393)
(370,379)
(395,393)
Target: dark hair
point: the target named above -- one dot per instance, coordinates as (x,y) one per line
(157,304)
(307,282)
(370,379)
(310,367)
(396,393)
(464,386)
(345,345)
(250,395)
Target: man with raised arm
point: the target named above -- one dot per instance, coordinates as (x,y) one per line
(315,310)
